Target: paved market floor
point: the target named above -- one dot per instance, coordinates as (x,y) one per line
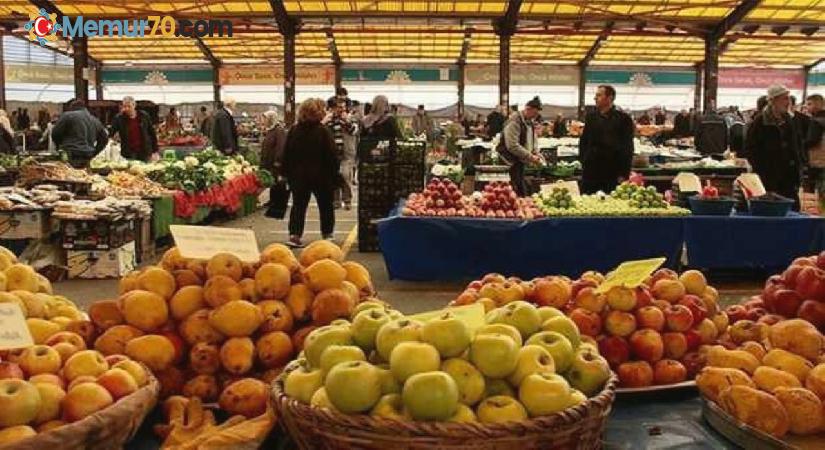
(409,297)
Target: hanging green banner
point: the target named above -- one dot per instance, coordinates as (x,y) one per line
(640,78)
(399,76)
(816,79)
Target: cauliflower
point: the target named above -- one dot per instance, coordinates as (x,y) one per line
(190,161)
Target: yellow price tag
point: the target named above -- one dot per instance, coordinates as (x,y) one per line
(471,315)
(630,274)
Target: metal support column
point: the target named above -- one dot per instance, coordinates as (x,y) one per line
(504,70)
(806,72)
(697,88)
(216,86)
(80,51)
(2,74)
(582,86)
(711,71)
(289,78)
(99,81)
(339,76)
(461,67)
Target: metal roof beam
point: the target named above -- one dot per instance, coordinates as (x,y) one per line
(597,44)
(286,24)
(733,18)
(506,25)
(333,48)
(465,47)
(207,52)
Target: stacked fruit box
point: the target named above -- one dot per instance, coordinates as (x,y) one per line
(408,169)
(375,195)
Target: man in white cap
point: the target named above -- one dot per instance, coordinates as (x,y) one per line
(772,146)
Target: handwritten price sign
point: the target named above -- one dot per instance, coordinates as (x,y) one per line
(14,333)
(630,274)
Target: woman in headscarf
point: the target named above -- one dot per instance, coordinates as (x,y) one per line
(6,133)
(380,123)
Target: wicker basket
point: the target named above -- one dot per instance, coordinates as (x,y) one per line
(580,427)
(108,429)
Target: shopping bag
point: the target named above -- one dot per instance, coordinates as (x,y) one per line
(278,199)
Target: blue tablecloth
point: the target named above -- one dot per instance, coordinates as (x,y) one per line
(423,249)
(417,248)
(746,242)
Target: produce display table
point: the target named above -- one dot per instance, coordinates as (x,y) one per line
(418,249)
(743,241)
(423,248)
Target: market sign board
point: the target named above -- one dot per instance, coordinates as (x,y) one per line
(155,77)
(14,333)
(630,274)
(399,75)
(641,78)
(760,78)
(274,75)
(197,242)
(523,75)
(816,79)
(39,73)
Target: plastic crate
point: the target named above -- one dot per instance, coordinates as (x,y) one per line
(718,207)
(372,150)
(778,207)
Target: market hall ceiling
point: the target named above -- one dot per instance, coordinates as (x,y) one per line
(771,33)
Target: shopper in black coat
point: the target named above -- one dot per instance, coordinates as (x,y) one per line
(224,133)
(311,168)
(773,147)
(136,132)
(606,145)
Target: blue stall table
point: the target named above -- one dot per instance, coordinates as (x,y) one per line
(422,248)
(749,242)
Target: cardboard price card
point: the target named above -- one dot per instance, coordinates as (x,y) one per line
(688,182)
(571,186)
(751,185)
(630,274)
(14,333)
(471,315)
(198,242)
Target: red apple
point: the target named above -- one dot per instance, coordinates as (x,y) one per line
(805,261)
(615,350)
(588,299)
(773,284)
(693,362)
(790,275)
(661,304)
(693,338)
(620,323)
(736,313)
(770,319)
(668,371)
(676,344)
(784,302)
(588,322)
(650,317)
(647,345)
(476,285)
(810,283)
(635,374)
(11,370)
(580,284)
(663,274)
(678,317)
(756,301)
(696,306)
(820,260)
(755,313)
(813,312)
(643,297)
(493,278)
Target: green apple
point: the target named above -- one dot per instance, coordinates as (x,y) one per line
(588,372)
(519,314)
(469,380)
(336,354)
(576,397)
(430,396)
(500,328)
(390,406)
(353,387)
(319,339)
(410,358)
(544,393)
(365,326)
(394,332)
(548,312)
(588,346)
(464,414)
(389,385)
(340,323)
(500,409)
(566,327)
(531,359)
(395,314)
(302,382)
(449,335)
(559,347)
(321,400)
(365,306)
(494,355)
(497,387)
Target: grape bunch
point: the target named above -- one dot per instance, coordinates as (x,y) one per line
(648,197)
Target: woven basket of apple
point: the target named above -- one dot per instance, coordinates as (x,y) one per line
(650,334)
(388,381)
(774,383)
(222,329)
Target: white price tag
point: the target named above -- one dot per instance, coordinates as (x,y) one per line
(751,185)
(198,242)
(688,182)
(571,186)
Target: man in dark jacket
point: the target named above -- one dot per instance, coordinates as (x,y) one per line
(772,146)
(814,141)
(518,144)
(681,124)
(495,121)
(79,134)
(711,134)
(134,128)
(606,145)
(559,126)
(224,133)
(660,118)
